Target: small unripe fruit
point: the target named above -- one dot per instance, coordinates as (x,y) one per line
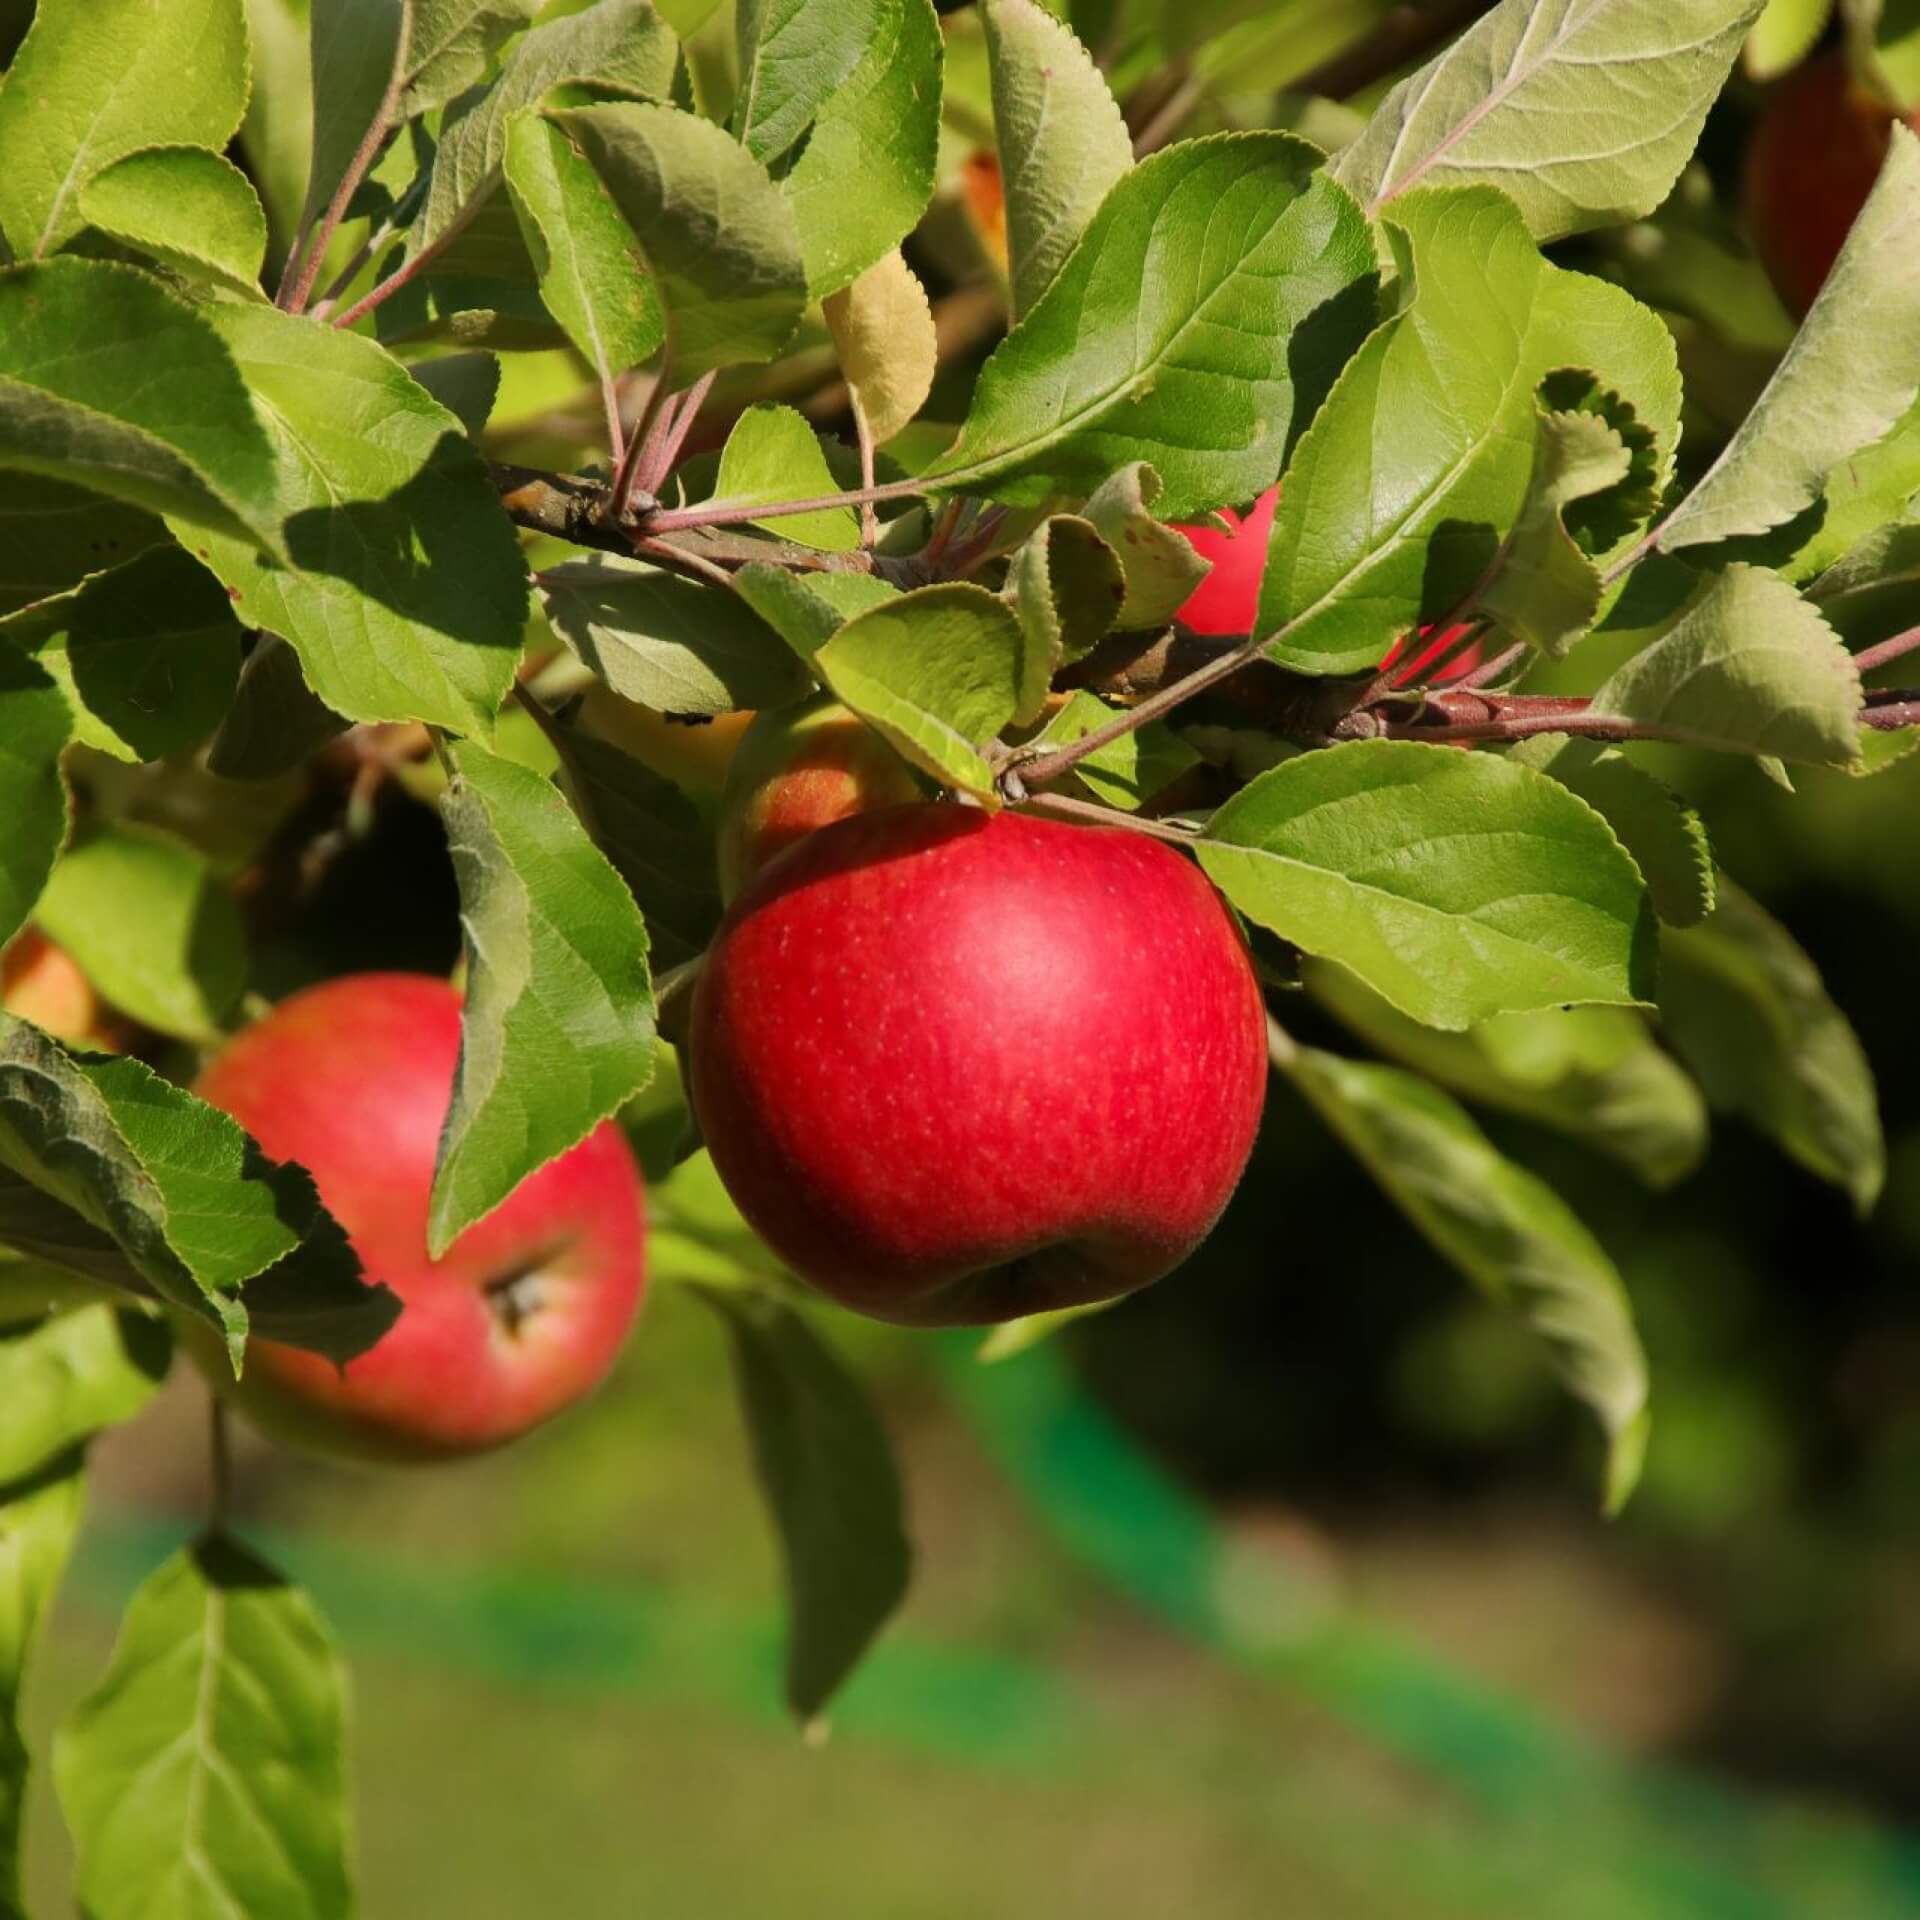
(40,981)
(693,753)
(959,1067)
(519,1319)
(799,769)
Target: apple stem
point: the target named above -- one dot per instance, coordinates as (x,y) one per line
(1063,807)
(1025,770)
(669,986)
(1282,1049)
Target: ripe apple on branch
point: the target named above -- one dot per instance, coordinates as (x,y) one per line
(785,505)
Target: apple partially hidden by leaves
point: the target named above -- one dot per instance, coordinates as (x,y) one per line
(799,769)
(959,1067)
(519,1319)
(1227,601)
(1816,151)
(693,751)
(40,981)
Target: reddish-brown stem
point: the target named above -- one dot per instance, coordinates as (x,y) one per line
(1064,807)
(941,538)
(681,559)
(656,414)
(654,477)
(724,513)
(379,295)
(610,409)
(1489,671)
(1870,658)
(1026,772)
(298,286)
(1891,715)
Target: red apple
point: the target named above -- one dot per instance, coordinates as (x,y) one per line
(1227,601)
(1815,154)
(524,1313)
(41,982)
(958,1067)
(798,769)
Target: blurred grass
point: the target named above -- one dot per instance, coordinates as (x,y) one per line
(565,1661)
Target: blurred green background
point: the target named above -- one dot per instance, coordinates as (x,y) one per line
(1278,1590)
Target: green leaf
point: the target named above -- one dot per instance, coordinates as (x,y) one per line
(794,56)
(1062,142)
(1848,377)
(654,837)
(108,1171)
(772,455)
(1784,34)
(452,43)
(719,241)
(1594,1073)
(276,720)
(1160,564)
(888,347)
(1065,585)
(667,642)
(53,536)
(882,130)
(95,79)
(65,1378)
(1544,589)
(466,384)
(357,53)
(1883,41)
(109,381)
(1126,772)
(1749,667)
(1208,306)
(557,1030)
(35,726)
(147,656)
(827,1471)
(1666,836)
(1401,490)
(148,922)
(192,210)
(1872,591)
(38,1524)
(807,610)
(1456,885)
(937,672)
(1583,110)
(207,1773)
(592,277)
(482,289)
(1505,1229)
(1745,1009)
(406,595)
(1862,495)
(620,46)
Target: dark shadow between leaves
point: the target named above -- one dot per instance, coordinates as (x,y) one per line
(413,551)
(1322,344)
